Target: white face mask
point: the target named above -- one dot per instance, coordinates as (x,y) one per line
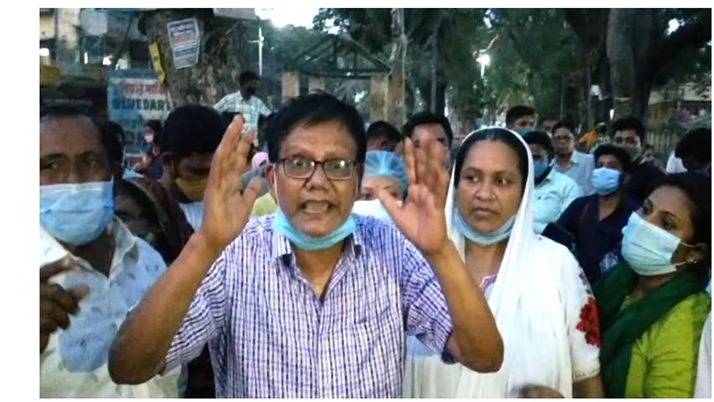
(648,248)
(373,208)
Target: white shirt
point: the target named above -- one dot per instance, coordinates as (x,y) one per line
(703,385)
(194,213)
(674,165)
(74,364)
(552,197)
(580,171)
(250,109)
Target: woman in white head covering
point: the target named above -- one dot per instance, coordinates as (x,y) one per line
(542,302)
(383,170)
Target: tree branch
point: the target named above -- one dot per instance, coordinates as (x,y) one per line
(695,34)
(589,25)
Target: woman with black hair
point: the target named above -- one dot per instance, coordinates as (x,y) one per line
(151,165)
(535,288)
(653,305)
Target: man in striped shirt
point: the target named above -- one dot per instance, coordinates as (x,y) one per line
(311,302)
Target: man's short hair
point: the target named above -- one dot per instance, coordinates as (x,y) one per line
(192,129)
(516,112)
(382,129)
(564,124)
(246,77)
(542,139)
(311,110)
(111,141)
(695,143)
(629,123)
(620,154)
(425,117)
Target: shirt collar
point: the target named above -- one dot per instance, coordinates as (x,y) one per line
(282,249)
(575,158)
(125,244)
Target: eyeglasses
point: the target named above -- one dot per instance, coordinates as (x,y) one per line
(626,140)
(299,167)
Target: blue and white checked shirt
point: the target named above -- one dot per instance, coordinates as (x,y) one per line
(271,337)
(250,109)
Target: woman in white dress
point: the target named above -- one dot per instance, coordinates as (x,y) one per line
(537,292)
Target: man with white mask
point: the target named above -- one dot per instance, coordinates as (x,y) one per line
(537,292)
(92,269)
(383,171)
(314,301)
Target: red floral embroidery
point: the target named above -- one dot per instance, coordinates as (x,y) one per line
(590,323)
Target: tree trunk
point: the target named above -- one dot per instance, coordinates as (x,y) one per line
(398,62)
(434,94)
(223,50)
(628,49)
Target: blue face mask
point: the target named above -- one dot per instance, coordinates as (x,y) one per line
(605,180)
(282,225)
(523,131)
(482,239)
(539,168)
(647,248)
(76,214)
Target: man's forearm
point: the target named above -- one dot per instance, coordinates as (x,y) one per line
(139,350)
(479,343)
(589,388)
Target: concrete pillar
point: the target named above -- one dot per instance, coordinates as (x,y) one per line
(315,84)
(396,113)
(291,84)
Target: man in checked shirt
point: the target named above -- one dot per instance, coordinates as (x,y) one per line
(245,102)
(311,302)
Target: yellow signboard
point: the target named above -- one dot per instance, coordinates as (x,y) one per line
(50,75)
(156,61)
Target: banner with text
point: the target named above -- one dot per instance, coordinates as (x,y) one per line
(185,42)
(135,97)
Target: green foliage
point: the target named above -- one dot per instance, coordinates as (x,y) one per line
(536,58)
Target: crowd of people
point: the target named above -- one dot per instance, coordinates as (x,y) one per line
(302,254)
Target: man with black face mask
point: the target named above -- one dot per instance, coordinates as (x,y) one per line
(245,102)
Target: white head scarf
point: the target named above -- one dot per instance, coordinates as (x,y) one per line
(534,334)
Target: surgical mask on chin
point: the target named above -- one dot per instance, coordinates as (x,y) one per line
(487,239)
(77,214)
(605,180)
(648,249)
(192,189)
(373,208)
(281,224)
(633,152)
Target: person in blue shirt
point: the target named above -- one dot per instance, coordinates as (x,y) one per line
(554,191)
(569,161)
(596,221)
